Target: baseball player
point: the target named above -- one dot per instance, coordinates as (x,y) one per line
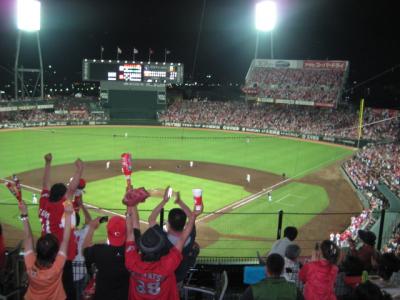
(34,199)
(248,178)
(108,165)
(269,197)
(191,164)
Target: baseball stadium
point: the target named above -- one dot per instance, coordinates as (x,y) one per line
(288,151)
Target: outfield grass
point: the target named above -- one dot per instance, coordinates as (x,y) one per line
(23,150)
(107,193)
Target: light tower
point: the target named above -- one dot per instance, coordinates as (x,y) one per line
(28,22)
(265,21)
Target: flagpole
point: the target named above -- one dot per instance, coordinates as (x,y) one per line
(149,54)
(133,54)
(101,52)
(165,55)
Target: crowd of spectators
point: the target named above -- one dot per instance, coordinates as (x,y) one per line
(297,84)
(340,122)
(374,164)
(64,109)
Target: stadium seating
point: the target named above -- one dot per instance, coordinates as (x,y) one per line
(322,86)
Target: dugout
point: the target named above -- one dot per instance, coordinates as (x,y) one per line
(133,101)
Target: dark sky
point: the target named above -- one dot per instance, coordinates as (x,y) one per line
(364,32)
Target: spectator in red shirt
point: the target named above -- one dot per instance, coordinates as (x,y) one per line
(51,211)
(319,276)
(152,275)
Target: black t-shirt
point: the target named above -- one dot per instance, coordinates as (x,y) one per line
(187,261)
(112,279)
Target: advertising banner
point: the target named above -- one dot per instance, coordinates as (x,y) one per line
(325,64)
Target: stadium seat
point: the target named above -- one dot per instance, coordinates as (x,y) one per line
(217,293)
(10,281)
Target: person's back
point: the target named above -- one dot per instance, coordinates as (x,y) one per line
(319,276)
(279,247)
(44,283)
(112,278)
(274,287)
(44,267)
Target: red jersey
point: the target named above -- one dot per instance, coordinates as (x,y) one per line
(152,280)
(50,214)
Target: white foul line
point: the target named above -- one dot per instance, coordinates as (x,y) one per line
(251,198)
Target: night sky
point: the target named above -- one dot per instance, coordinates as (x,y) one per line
(364,32)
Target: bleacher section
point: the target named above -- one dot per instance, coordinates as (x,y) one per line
(312,83)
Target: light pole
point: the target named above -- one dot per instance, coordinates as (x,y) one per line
(265,21)
(28,20)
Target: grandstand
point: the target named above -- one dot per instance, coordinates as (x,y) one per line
(301,82)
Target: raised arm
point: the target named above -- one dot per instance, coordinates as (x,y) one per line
(186,232)
(93,225)
(68,211)
(182,204)
(73,185)
(46,176)
(132,222)
(28,238)
(156,211)
(86,213)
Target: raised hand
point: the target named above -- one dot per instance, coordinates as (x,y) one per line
(48,158)
(79,164)
(166,196)
(178,197)
(68,208)
(95,223)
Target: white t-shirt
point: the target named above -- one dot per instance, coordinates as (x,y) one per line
(79,268)
(280,246)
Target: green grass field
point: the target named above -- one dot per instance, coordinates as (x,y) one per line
(23,150)
(106,193)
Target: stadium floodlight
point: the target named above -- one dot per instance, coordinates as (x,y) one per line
(266,15)
(28,15)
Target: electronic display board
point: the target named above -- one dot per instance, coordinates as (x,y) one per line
(129,71)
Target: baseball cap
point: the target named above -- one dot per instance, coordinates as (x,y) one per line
(116,231)
(82,184)
(151,242)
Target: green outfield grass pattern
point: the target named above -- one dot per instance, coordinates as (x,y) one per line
(23,150)
(108,193)
(259,218)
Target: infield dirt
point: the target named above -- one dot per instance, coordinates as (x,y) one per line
(342,199)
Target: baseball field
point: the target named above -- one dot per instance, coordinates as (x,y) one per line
(303,177)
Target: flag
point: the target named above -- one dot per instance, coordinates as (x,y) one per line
(102,48)
(167,52)
(135,51)
(119,51)
(151,51)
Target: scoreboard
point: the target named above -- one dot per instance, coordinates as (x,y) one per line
(130,71)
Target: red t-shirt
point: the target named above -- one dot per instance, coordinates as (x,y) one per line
(152,280)
(50,214)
